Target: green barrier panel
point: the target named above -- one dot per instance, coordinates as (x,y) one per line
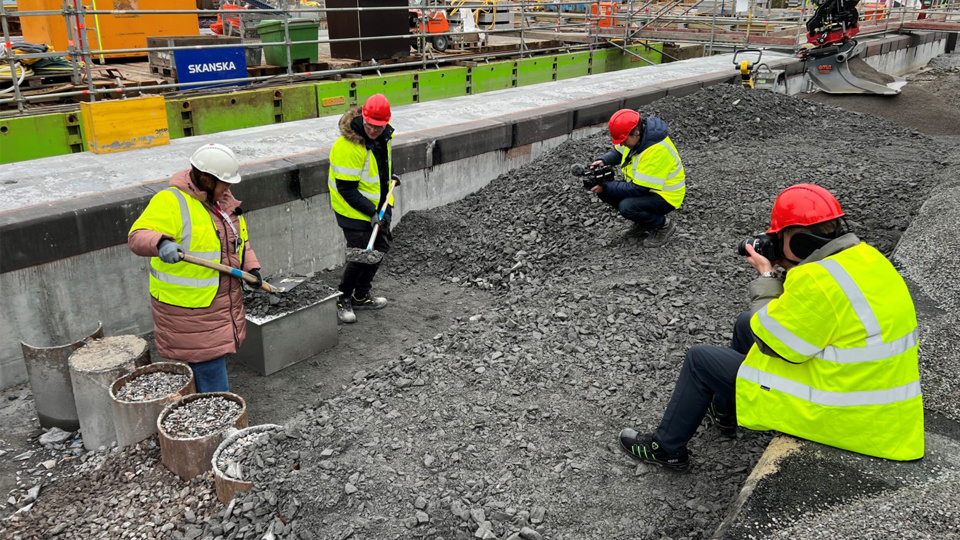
(572,65)
(601,59)
(535,70)
(299,102)
(44,135)
(494,76)
(441,83)
(238,110)
(398,88)
(336,97)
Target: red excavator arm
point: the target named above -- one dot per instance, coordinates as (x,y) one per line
(834,22)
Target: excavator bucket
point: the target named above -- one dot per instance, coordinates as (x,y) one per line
(841,72)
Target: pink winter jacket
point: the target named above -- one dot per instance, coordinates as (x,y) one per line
(201,334)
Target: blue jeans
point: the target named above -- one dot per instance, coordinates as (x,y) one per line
(708,374)
(646,209)
(211,376)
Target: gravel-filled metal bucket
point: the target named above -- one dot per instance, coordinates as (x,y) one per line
(189,456)
(228,487)
(136,418)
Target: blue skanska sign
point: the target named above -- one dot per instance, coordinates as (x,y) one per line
(211,65)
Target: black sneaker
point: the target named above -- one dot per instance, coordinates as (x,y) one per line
(726,423)
(642,447)
(660,235)
(369,302)
(637,231)
(345,312)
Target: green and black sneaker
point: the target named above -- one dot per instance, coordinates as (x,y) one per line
(726,423)
(642,447)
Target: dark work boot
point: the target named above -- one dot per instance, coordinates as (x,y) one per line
(345,310)
(642,447)
(637,231)
(369,302)
(660,235)
(725,422)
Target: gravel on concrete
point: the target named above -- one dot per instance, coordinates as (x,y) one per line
(260,305)
(201,417)
(152,386)
(107,353)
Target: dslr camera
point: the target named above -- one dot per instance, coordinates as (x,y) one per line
(593,176)
(765,244)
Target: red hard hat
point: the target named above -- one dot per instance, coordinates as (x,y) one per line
(376,111)
(622,123)
(803,205)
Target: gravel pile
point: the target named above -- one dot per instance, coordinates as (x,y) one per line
(107,353)
(201,417)
(504,426)
(126,494)
(152,386)
(262,305)
(259,456)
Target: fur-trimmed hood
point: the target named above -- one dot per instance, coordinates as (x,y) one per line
(345,129)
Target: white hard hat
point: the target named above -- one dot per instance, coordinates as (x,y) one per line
(218,160)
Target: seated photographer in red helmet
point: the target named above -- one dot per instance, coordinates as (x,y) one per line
(828,353)
(654,181)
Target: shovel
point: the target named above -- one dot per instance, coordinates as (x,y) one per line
(236,272)
(370,255)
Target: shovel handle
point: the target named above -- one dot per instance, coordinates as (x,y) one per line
(224,269)
(383,210)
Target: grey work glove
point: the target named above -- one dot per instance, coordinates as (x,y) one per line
(255,273)
(375,219)
(169,251)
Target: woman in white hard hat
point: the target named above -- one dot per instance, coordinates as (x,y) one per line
(198,313)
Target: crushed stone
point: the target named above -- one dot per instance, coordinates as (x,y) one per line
(152,386)
(261,305)
(107,353)
(201,417)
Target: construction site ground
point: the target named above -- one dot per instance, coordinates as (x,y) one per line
(524,333)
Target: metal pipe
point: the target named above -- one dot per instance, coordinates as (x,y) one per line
(7,50)
(85,48)
(286,42)
(72,49)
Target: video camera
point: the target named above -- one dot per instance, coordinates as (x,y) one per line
(593,176)
(765,244)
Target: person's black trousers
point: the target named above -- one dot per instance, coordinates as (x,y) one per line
(646,209)
(357,277)
(709,373)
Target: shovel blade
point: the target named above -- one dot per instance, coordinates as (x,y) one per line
(363,256)
(284,284)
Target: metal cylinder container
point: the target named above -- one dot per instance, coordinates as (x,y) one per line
(191,457)
(136,420)
(228,487)
(49,376)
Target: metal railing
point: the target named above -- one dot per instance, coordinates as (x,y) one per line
(624,25)
(82,53)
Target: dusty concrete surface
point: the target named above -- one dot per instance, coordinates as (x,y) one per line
(502,422)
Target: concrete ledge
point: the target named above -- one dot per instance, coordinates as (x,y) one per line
(798,485)
(540,124)
(268,183)
(461,141)
(594,111)
(312,172)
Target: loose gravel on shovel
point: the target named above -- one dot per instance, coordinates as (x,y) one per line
(152,386)
(201,417)
(504,425)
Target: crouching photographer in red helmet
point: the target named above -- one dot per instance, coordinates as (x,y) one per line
(654,181)
(828,353)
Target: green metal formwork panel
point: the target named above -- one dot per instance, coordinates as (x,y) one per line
(336,97)
(535,70)
(237,110)
(573,65)
(602,62)
(398,88)
(442,83)
(44,135)
(493,76)
(299,102)
(651,53)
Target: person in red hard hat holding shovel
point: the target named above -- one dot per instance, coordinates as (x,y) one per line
(361,172)
(654,181)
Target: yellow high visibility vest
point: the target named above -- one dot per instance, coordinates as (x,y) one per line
(848,325)
(658,168)
(355,163)
(177,214)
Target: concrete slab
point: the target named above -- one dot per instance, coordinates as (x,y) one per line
(50,179)
(805,490)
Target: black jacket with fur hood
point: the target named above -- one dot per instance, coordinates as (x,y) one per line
(351,128)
